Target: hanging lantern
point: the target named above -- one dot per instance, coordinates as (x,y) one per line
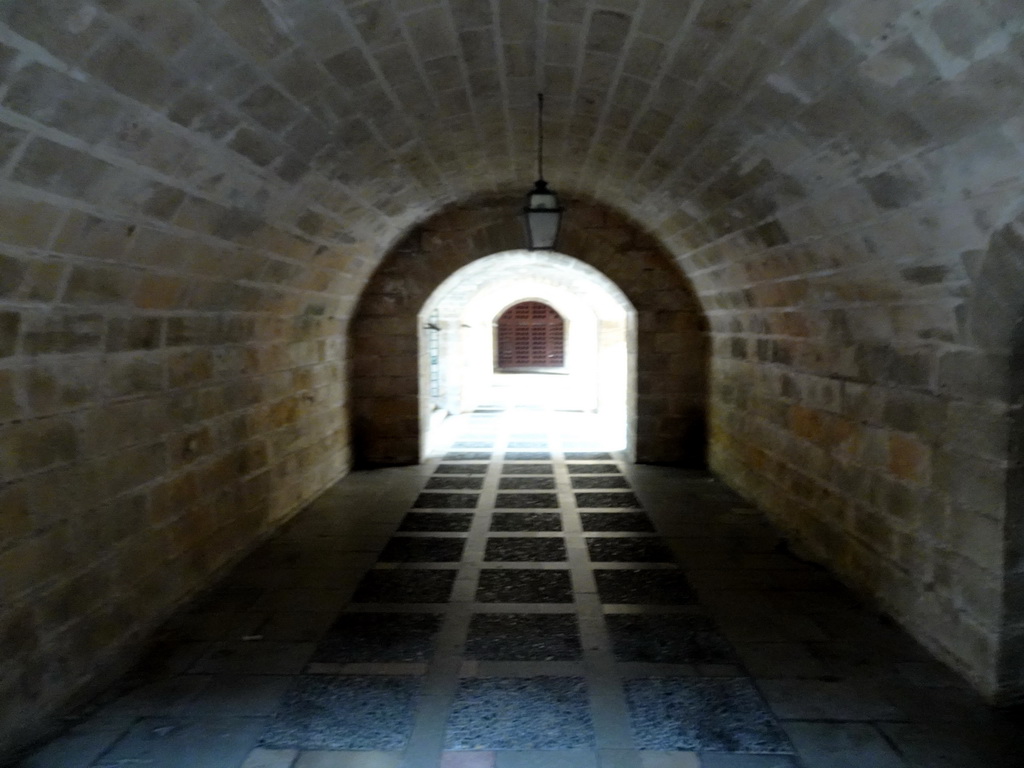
(543,214)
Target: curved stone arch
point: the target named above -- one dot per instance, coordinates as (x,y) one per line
(672,340)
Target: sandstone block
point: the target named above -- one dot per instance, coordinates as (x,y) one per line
(44,334)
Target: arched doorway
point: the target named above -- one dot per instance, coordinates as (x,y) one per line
(670,356)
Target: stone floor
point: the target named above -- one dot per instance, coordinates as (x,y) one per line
(527,598)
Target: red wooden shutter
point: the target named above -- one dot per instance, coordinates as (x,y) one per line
(531,335)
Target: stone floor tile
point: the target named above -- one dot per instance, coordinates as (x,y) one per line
(526,521)
(168,696)
(951,746)
(513,713)
(349,759)
(422,549)
(675,638)
(289,626)
(670,760)
(526,501)
(526,482)
(928,704)
(438,500)
(360,637)
(842,745)
(461,469)
(358,712)
(594,469)
(598,481)
(436,522)
(523,637)
(527,469)
(726,760)
(474,759)
(255,657)
(240,695)
(524,586)
(185,742)
(634,522)
(827,700)
(702,714)
(606,500)
(629,549)
(315,600)
(72,750)
(211,625)
(454,482)
(547,758)
(515,549)
(781,660)
(650,587)
(270,758)
(619,758)
(411,585)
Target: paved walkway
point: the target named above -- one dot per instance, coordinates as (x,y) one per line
(528,599)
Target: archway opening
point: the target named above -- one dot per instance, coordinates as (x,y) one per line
(579,332)
(667,365)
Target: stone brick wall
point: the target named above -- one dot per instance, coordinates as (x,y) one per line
(671,341)
(854,231)
(171,361)
(139,456)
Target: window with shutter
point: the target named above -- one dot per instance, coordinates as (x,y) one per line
(531,335)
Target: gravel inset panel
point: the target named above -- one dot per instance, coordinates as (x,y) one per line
(593,469)
(357,638)
(463,445)
(454,483)
(523,637)
(612,499)
(520,445)
(446,501)
(629,549)
(644,586)
(702,715)
(526,521)
(493,713)
(635,522)
(414,549)
(670,638)
(526,483)
(461,469)
(437,522)
(405,586)
(524,586)
(467,456)
(526,501)
(529,550)
(528,456)
(588,456)
(527,469)
(323,712)
(599,481)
